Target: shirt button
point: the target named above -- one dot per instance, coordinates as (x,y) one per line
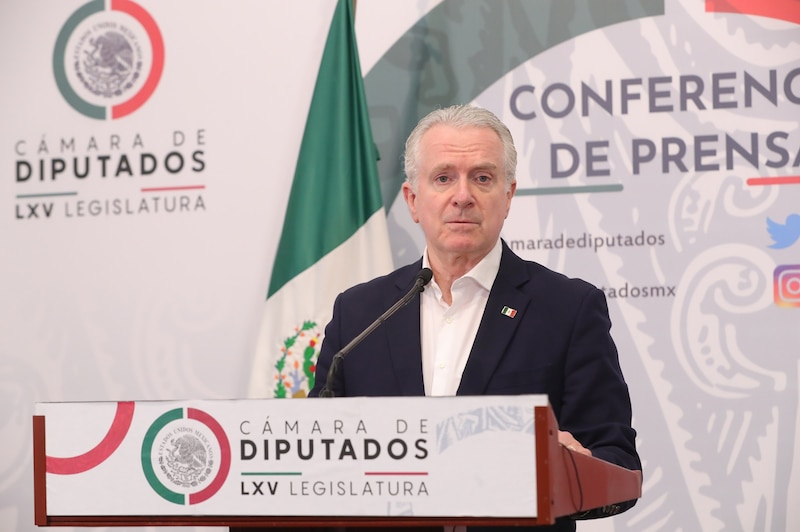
(448,320)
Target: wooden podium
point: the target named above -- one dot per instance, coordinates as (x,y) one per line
(567,483)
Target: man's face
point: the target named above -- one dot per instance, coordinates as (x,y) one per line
(460,199)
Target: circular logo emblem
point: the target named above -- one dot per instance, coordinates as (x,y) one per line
(107,62)
(186,457)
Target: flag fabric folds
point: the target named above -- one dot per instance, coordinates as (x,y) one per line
(334,231)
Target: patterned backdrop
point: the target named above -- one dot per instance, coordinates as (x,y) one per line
(659,141)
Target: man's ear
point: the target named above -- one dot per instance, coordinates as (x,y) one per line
(411,201)
(511,192)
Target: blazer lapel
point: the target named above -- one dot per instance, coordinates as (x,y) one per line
(496,329)
(404,340)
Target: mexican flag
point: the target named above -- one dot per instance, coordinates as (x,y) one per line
(334,232)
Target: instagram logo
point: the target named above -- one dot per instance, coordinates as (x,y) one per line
(787,285)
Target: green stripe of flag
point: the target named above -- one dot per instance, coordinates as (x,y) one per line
(335,188)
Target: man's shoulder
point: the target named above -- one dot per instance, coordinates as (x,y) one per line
(386,284)
(533,275)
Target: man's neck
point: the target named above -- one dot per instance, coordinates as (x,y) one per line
(448,268)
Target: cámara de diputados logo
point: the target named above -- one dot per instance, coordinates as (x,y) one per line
(107,62)
(108,58)
(186,456)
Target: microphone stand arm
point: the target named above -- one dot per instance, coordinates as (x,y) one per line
(326,391)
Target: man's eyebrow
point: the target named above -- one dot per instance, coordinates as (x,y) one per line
(440,168)
(485,167)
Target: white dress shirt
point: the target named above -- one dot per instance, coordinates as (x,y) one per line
(448,331)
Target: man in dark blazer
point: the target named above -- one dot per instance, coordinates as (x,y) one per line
(534,331)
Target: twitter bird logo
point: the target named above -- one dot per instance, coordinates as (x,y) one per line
(784,235)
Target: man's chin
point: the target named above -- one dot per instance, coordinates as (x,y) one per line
(464,230)
(465,246)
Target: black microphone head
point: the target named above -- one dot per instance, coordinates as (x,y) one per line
(425,275)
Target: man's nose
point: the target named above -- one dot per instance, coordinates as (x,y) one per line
(462,195)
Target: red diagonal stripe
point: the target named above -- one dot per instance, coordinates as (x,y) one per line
(788,10)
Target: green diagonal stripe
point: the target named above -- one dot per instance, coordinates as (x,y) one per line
(547,191)
(461,48)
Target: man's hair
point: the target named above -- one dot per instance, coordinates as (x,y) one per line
(460,116)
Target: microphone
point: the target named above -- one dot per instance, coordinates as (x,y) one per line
(423,278)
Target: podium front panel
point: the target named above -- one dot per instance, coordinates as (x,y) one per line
(369,457)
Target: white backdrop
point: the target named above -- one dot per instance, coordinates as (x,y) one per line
(166,305)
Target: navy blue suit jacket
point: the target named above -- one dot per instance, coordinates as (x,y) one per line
(558,344)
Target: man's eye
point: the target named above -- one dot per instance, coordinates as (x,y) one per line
(483,179)
(441,179)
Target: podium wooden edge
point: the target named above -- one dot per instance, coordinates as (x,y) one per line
(567,481)
(39,473)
